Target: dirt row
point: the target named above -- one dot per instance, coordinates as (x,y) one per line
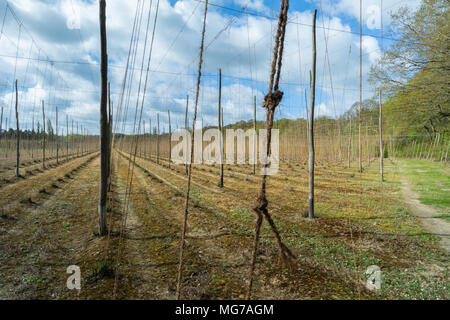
(42,228)
(32,167)
(225,241)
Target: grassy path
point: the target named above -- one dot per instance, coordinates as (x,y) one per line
(426,189)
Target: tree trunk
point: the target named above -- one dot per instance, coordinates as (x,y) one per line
(311,121)
(102,228)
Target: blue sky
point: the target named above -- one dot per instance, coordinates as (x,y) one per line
(54,56)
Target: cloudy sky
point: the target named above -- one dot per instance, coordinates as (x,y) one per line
(52,48)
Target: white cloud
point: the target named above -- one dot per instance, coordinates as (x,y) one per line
(242,50)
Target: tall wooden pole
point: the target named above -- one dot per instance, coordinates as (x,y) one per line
(109,134)
(311,122)
(367,146)
(220,129)
(254,140)
(1,127)
(102,228)
(43,131)
(57,138)
(381,138)
(186,126)
(360,84)
(17,135)
(170,139)
(150,137)
(7,140)
(145,145)
(157,142)
(67,137)
(73,141)
(350,135)
(78,142)
(194,119)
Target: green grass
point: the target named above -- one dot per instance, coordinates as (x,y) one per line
(445,217)
(431,180)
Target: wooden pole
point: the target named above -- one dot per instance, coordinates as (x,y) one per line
(1,127)
(381,138)
(194,119)
(57,138)
(145,146)
(311,121)
(43,131)
(360,85)
(17,135)
(157,141)
(67,137)
(78,141)
(170,139)
(109,134)
(254,140)
(350,144)
(220,129)
(186,126)
(150,137)
(367,146)
(102,228)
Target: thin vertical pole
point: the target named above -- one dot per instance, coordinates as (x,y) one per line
(150,137)
(220,129)
(67,137)
(350,143)
(17,135)
(186,126)
(311,122)
(1,127)
(170,139)
(145,146)
(381,138)
(43,131)
(367,146)
(255,135)
(73,141)
(157,141)
(57,138)
(104,141)
(360,84)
